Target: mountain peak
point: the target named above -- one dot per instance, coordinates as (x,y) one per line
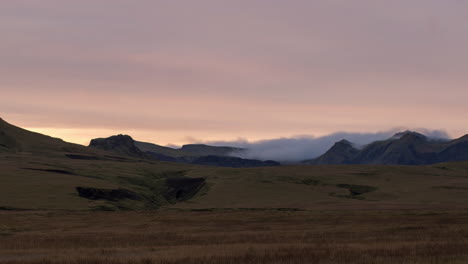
(344,142)
(340,153)
(408,133)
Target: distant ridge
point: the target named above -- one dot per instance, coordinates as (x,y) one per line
(161,150)
(202,149)
(192,154)
(404,148)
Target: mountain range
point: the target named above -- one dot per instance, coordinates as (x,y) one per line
(404,148)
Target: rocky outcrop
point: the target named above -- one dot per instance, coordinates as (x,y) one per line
(120,144)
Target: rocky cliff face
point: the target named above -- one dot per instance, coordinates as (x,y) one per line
(120,144)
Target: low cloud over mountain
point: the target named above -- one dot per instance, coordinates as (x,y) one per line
(299,148)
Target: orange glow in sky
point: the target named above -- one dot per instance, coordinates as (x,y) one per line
(175,72)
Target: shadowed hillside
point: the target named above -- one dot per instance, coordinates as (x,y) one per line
(14,139)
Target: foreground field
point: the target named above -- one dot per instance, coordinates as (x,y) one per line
(49,181)
(245,236)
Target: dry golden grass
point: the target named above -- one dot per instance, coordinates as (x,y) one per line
(234,237)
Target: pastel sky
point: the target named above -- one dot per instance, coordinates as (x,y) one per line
(180,71)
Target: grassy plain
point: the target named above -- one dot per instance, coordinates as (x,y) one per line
(44,182)
(234,236)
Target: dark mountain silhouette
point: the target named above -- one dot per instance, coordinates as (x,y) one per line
(192,154)
(405,148)
(342,152)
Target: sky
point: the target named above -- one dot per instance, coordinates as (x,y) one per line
(176,72)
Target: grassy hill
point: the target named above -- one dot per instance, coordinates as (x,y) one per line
(40,172)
